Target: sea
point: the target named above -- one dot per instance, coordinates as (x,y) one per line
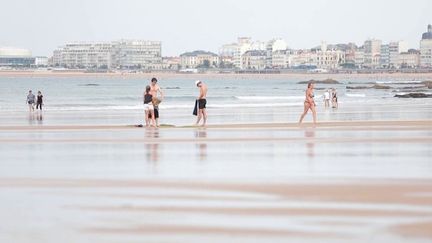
(118,100)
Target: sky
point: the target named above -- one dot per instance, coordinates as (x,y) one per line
(188,25)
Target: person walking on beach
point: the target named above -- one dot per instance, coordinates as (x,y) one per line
(39,101)
(148,107)
(154,91)
(327,98)
(309,103)
(201,102)
(30,101)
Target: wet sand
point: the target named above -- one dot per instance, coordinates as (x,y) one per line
(362,181)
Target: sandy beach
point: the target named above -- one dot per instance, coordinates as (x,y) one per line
(222,76)
(358,181)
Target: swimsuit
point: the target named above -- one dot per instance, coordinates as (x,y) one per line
(202,103)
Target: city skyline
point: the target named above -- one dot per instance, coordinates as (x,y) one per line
(44,25)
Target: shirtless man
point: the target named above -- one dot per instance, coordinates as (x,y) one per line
(154,91)
(202,102)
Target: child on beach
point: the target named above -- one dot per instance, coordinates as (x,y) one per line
(39,101)
(148,107)
(30,101)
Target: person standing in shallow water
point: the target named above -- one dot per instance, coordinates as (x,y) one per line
(309,103)
(39,101)
(31,101)
(154,91)
(202,103)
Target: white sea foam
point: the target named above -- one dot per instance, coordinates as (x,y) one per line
(269,97)
(355,95)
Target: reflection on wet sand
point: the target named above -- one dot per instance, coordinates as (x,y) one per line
(201,145)
(310,145)
(35,116)
(152,149)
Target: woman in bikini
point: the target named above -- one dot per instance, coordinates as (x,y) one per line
(309,103)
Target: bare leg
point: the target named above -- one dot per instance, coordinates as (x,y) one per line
(204,112)
(306,108)
(199,117)
(147,118)
(313,113)
(153,122)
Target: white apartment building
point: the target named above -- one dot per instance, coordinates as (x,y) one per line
(372,51)
(300,58)
(137,54)
(41,61)
(228,50)
(280,59)
(385,56)
(410,59)
(254,59)
(199,58)
(359,58)
(328,59)
(426,48)
(117,54)
(394,49)
(83,55)
(272,47)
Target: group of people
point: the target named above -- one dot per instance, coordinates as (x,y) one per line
(153,96)
(331,94)
(33,100)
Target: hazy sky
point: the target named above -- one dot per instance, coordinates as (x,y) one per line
(185,25)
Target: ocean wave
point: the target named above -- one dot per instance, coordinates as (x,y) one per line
(269,97)
(355,95)
(399,82)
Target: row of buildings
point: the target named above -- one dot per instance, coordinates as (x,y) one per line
(245,54)
(373,54)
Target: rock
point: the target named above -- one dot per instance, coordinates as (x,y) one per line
(414,95)
(357,87)
(325,81)
(380,86)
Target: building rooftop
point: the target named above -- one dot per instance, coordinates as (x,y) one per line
(196,53)
(427,35)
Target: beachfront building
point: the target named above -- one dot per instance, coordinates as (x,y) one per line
(171,63)
(41,61)
(254,60)
(280,59)
(385,56)
(359,58)
(395,48)
(273,46)
(409,59)
(426,48)
(123,54)
(137,54)
(235,51)
(372,51)
(327,59)
(199,59)
(83,55)
(300,59)
(16,57)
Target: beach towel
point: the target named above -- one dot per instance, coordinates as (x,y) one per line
(195,111)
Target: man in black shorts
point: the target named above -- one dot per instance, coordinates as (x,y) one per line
(155,90)
(202,102)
